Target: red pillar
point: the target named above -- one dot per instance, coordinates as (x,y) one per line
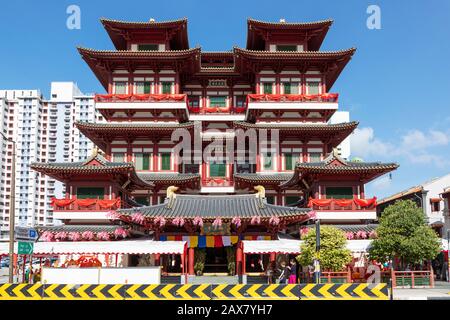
(239,259)
(273,257)
(191,261)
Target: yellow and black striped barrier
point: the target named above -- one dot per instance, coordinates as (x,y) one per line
(328,291)
(255,291)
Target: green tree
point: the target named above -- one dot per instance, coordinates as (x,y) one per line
(404,233)
(333,254)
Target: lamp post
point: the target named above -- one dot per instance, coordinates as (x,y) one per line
(12,208)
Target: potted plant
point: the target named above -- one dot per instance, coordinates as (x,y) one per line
(231,258)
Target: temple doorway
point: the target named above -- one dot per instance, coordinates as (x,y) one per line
(216,261)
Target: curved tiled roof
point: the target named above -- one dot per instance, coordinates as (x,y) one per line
(352,227)
(299,126)
(143,24)
(294,54)
(168,177)
(80,228)
(211,207)
(137,54)
(129,126)
(288,25)
(258,177)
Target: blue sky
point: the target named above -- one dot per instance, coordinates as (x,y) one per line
(396,85)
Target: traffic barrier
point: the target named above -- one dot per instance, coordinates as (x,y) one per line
(326,291)
(255,291)
(344,291)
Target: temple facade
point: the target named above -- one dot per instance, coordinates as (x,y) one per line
(213,148)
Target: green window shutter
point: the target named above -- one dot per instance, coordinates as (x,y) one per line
(291,199)
(268,161)
(267,86)
(288,165)
(142,200)
(218,101)
(166,87)
(145,161)
(270,199)
(287,88)
(147,86)
(118,157)
(313,87)
(165,161)
(339,192)
(90,193)
(217,170)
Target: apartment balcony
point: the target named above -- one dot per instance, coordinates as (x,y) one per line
(344,209)
(84,209)
(110,105)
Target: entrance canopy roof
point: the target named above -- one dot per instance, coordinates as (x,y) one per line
(103,247)
(288,246)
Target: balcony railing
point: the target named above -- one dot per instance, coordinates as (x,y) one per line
(217,110)
(85,204)
(343,204)
(121,98)
(217,182)
(324,97)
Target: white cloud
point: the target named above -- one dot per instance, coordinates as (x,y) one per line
(416,146)
(364,144)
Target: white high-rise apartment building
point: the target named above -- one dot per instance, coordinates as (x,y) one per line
(44,131)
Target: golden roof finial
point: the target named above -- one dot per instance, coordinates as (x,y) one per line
(261,191)
(170,193)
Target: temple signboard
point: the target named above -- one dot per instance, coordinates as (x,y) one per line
(208,229)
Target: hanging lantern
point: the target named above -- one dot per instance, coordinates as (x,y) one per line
(349,235)
(88,235)
(138,218)
(120,232)
(255,220)
(198,221)
(178,221)
(61,235)
(274,220)
(160,221)
(113,215)
(74,236)
(217,223)
(361,235)
(373,234)
(48,236)
(236,221)
(103,235)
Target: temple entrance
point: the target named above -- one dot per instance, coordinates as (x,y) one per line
(216,261)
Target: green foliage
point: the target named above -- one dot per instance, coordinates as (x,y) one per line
(199,258)
(333,254)
(231,259)
(404,233)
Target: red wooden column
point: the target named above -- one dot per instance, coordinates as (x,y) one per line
(239,259)
(191,261)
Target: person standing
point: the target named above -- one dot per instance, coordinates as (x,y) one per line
(285,273)
(293,272)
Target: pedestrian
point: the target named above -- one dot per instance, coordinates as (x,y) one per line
(293,272)
(285,273)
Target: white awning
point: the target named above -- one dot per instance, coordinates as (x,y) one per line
(103,247)
(287,246)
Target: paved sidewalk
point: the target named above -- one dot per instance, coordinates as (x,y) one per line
(439,292)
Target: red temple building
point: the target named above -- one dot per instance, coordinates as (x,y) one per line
(135,186)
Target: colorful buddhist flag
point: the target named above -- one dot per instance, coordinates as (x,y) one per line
(234,239)
(218,242)
(193,241)
(170,238)
(202,241)
(210,241)
(163,238)
(226,241)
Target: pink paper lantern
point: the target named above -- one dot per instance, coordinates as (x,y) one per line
(88,235)
(62,235)
(255,220)
(178,221)
(103,235)
(138,218)
(198,221)
(350,235)
(120,232)
(274,220)
(74,236)
(236,221)
(217,223)
(48,236)
(160,221)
